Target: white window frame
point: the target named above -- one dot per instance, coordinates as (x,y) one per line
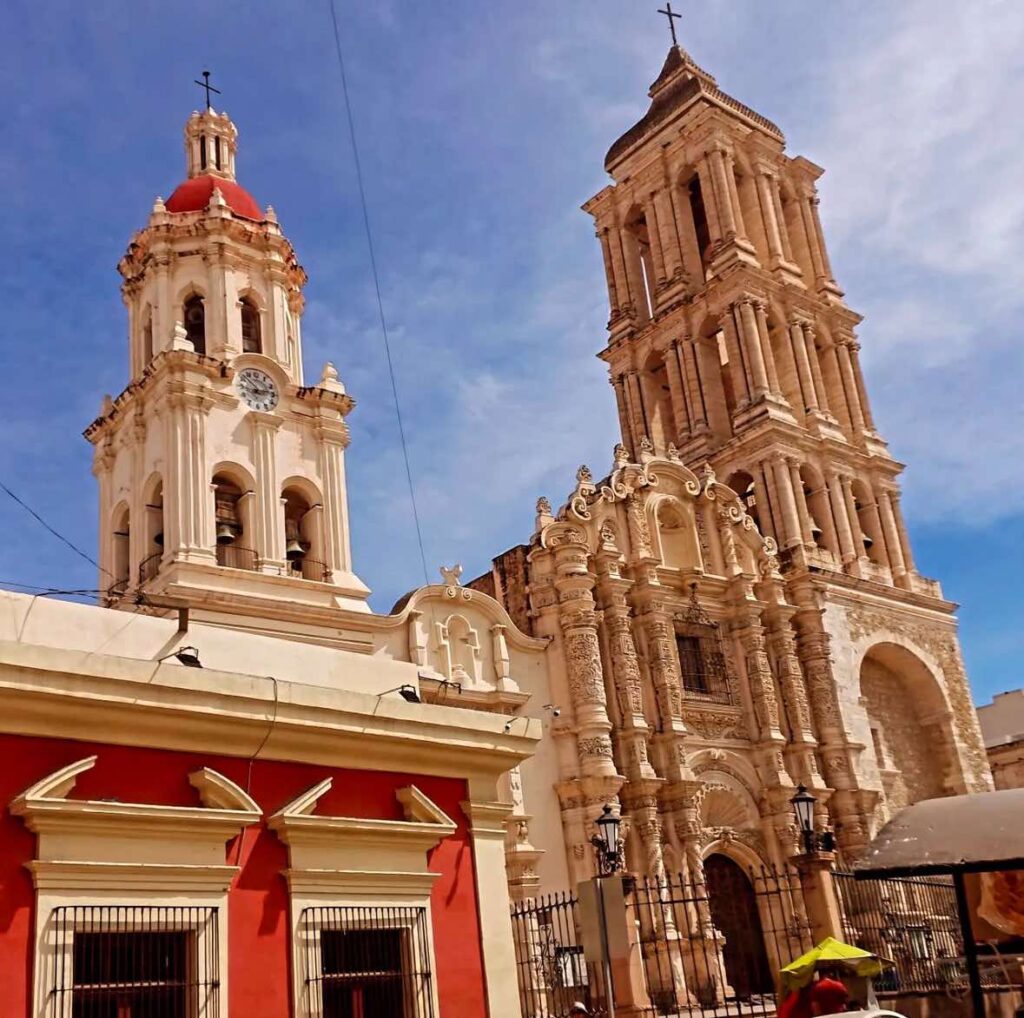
(99,853)
(348,861)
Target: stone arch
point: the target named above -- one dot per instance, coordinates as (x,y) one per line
(911,726)
(250,316)
(302,508)
(120,545)
(675,530)
(640,270)
(819,507)
(695,226)
(153,531)
(463,651)
(721,396)
(658,402)
(233,491)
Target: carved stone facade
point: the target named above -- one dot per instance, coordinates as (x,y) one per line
(732,355)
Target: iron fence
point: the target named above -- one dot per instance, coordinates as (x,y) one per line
(234,556)
(366,960)
(552,971)
(715,946)
(161,962)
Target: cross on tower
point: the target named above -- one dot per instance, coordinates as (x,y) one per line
(205,83)
(671,15)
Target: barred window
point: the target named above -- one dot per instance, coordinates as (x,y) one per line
(133,961)
(367,962)
(702,665)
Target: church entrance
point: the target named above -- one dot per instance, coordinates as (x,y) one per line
(735,914)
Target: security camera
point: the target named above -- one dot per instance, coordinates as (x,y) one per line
(556,713)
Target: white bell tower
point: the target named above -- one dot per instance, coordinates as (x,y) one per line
(221,474)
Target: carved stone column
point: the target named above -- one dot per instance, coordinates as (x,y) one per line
(850,389)
(578,620)
(691,376)
(268,516)
(811,347)
(333,439)
(751,340)
(840,513)
(664,667)
(803,366)
(761,308)
(858,378)
(746,626)
(188,503)
(892,537)
(790,516)
(732,327)
(801,501)
(609,270)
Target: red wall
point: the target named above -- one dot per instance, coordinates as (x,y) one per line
(258,899)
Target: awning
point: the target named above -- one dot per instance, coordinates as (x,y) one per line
(960,833)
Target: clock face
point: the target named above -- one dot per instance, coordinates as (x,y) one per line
(257,389)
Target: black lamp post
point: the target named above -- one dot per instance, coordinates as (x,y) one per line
(607,842)
(803,804)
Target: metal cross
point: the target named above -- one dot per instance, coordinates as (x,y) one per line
(671,21)
(205,83)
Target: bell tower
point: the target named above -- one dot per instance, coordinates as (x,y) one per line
(731,347)
(221,472)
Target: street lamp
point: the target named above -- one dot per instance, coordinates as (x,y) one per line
(607,842)
(803,804)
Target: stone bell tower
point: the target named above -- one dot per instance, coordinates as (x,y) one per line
(730,346)
(221,473)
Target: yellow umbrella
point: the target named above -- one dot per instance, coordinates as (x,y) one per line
(797,974)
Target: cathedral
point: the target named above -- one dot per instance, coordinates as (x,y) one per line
(233,740)
(733,608)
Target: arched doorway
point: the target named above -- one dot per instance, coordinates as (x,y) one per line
(735,915)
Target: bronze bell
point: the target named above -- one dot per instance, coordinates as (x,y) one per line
(226,533)
(294,551)
(158,539)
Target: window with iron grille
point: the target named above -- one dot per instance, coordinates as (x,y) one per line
(134,961)
(702,665)
(367,962)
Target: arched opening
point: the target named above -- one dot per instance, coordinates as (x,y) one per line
(462,650)
(640,262)
(230,513)
(819,509)
(678,534)
(147,336)
(735,914)
(194,319)
(743,484)
(120,552)
(252,334)
(716,378)
(910,727)
(154,548)
(658,403)
(701,229)
(302,535)
(870,524)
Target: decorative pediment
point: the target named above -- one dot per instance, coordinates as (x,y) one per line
(106,844)
(358,856)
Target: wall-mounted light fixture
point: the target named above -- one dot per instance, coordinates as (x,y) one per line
(188,656)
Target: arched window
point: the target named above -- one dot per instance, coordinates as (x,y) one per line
(700,221)
(252,337)
(194,317)
(639,263)
(302,535)
(820,510)
(120,559)
(870,524)
(658,403)
(150,564)
(230,523)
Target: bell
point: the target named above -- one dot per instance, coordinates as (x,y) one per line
(868,542)
(225,533)
(816,533)
(294,551)
(158,539)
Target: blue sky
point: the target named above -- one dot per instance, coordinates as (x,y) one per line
(482,129)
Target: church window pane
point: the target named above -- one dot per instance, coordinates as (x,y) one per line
(195,323)
(252,340)
(216,152)
(202,152)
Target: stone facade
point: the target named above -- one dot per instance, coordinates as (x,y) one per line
(1002,726)
(734,609)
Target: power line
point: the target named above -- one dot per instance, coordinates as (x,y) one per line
(376,284)
(60,537)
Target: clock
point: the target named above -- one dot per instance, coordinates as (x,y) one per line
(257,388)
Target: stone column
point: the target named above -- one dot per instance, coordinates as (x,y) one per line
(654,235)
(681,424)
(908,558)
(333,440)
(671,248)
(840,514)
(764,500)
(813,246)
(801,501)
(695,389)
(640,420)
(634,273)
(218,337)
(819,892)
(780,218)
(850,390)
(164,315)
(771,223)
(748,629)
(625,305)
(819,236)
(664,668)
(787,497)
(268,516)
(812,357)
(752,346)
(102,464)
(731,327)
(734,194)
(766,348)
(609,270)
(709,193)
(803,366)
(893,543)
(585,673)
(858,377)
(620,401)
(723,194)
(851,508)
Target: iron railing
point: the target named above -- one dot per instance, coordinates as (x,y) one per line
(116,590)
(310,569)
(157,962)
(366,960)
(236,557)
(551,969)
(150,566)
(715,946)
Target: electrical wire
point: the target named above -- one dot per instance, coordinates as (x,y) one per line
(376,283)
(60,537)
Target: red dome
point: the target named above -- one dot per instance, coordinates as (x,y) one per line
(194,195)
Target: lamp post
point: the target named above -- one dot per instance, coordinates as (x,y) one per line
(803,804)
(607,842)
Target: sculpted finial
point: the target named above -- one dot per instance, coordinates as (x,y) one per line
(329,379)
(543,506)
(620,456)
(451,575)
(583,475)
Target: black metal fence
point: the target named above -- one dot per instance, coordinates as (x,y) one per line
(366,960)
(162,962)
(715,946)
(552,971)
